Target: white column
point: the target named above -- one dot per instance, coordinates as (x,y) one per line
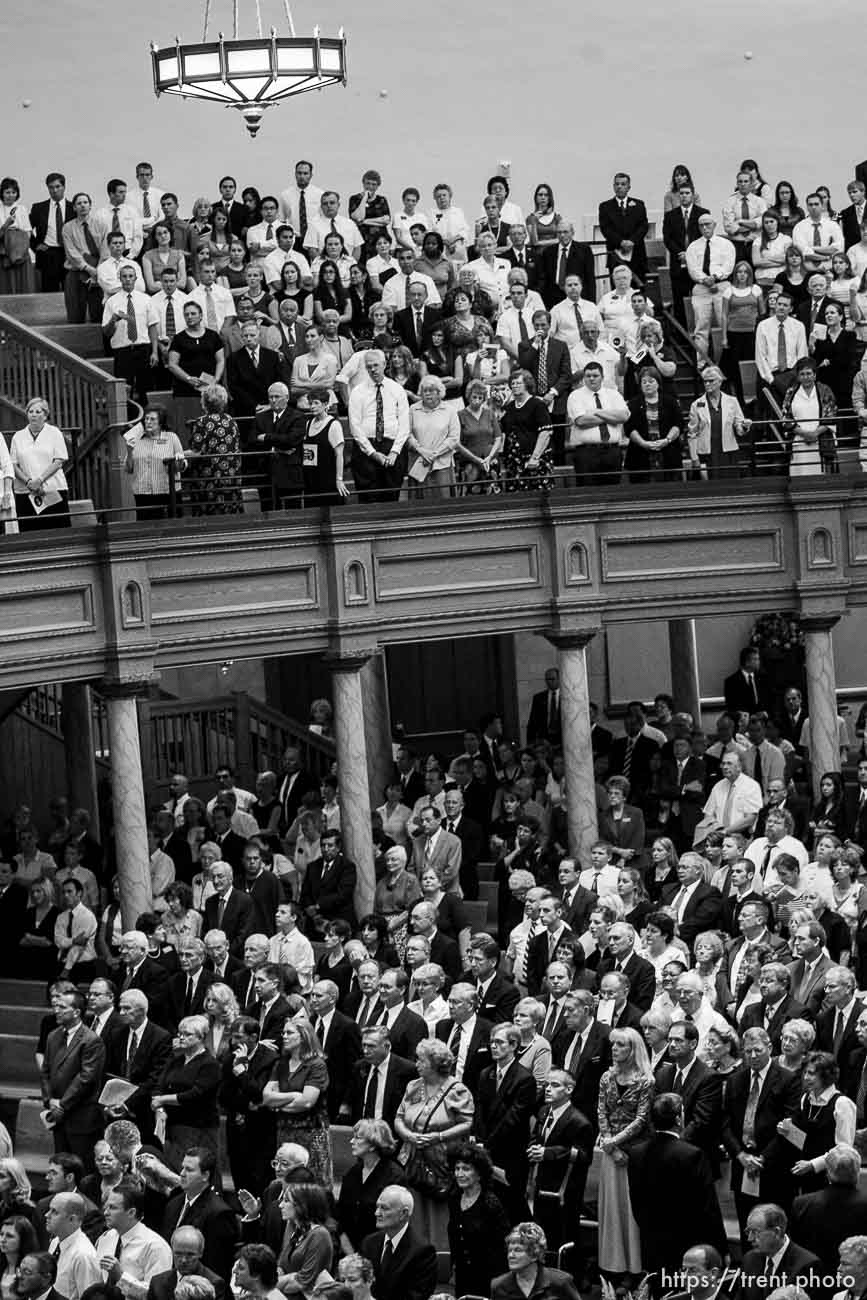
(128,803)
(377,726)
(346,671)
(577,745)
(685,685)
(822,698)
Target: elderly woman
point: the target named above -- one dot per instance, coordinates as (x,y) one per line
(429,981)
(716,423)
(476,1216)
(528,1275)
(208,856)
(373,1146)
(810,412)
(722,1050)
(147,459)
(215,445)
(297,1091)
(622,824)
(654,453)
(222,1010)
(534,1052)
(651,352)
(625,1094)
(180,919)
(487,361)
(708,951)
(308,1246)
(434,434)
(356,1272)
(849,896)
(655,1025)
(824,1119)
(185,1101)
(526,426)
(196,361)
(435,1114)
(796,1039)
(395,895)
(38,454)
(481,439)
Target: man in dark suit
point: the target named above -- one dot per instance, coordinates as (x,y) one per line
(560,1154)
(836,1027)
(249,373)
(601,739)
(623,221)
(622,957)
(467,1035)
(852,217)
(582,1049)
(443,950)
(219,959)
(758,1095)
(410,778)
(405,1028)
(522,255)
(243,983)
(341,1042)
(71,1077)
(812,311)
(187,1246)
(697,906)
(698,1087)
(138,1055)
(822,1220)
(263,888)
(615,1009)
(101,1015)
(679,230)
(541,948)
(498,996)
(406,1270)
(145,973)
(807,972)
(280,431)
(664,1171)
(505,1101)
(231,844)
(329,884)
(378,1081)
(566,257)
(747,690)
(199,1206)
(683,781)
(188,988)
(776,1005)
(48,218)
(250,1127)
(236,212)
(295,784)
(472,839)
(630,755)
(414,323)
(767,1228)
(544,720)
(13,906)
(36,1275)
(291,329)
(553,379)
(272,1008)
(228,909)
(577,901)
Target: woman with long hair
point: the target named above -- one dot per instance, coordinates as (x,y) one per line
(743,307)
(760,186)
(308,1243)
(680,175)
(625,1093)
(17,1239)
(769,250)
(37,955)
(543,220)
(793,277)
(330,293)
(297,1093)
(788,209)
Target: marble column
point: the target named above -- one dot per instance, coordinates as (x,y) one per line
(377,726)
(822,697)
(346,675)
(577,745)
(128,802)
(685,686)
(78,750)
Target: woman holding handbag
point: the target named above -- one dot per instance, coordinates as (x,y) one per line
(16,267)
(435,1115)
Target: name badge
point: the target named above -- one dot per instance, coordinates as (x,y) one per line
(311,454)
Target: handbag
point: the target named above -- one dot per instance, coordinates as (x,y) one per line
(420,1174)
(16,246)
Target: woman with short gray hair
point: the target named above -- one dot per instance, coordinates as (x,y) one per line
(215,447)
(434,433)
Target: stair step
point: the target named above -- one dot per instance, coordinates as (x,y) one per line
(22,993)
(34,308)
(20,1020)
(17,1057)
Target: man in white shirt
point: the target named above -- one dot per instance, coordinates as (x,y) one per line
(75,933)
(379,425)
(283,253)
(289,947)
(130,1254)
(692,1001)
(120,216)
(522,884)
(763,761)
(129,323)
(518,275)
(108,271)
(77,1260)
(145,198)
(168,304)
(589,348)
(742,217)
(596,416)
(710,261)
(817,236)
(493,271)
(781,341)
(515,325)
(602,875)
(568,316)
(217,303)
(734,802)
(396,291)
(300,202)
(328,221)
(262,238)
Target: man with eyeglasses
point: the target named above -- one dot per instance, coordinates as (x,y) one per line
(188,1246)
(35,1277)
(226,783)
(262,1220)
(698,1087)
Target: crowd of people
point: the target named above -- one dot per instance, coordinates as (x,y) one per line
(465,355)
(577,1088)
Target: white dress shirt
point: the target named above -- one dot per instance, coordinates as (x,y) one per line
(224,303)
(159,301)
(564,322)
(509,328)
(493,277)
(33,456)
(722,258)
(732,213)
(143,1254)
(294,949)
(830,234)
(362,417)
(145,316)
(77,1264)
(135,199)
(607,356)
(289,212)
(394,293)
(275,262)
(767,337)
(583,402)
(130,224)
(108,275)
(319,226)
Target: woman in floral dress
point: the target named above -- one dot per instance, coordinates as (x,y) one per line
(215,444)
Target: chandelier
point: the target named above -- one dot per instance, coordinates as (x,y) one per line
(249,73)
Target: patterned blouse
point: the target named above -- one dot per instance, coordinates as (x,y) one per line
(624,1109)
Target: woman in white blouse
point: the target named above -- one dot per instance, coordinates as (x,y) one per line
(769,251)
(16,263)
(809,411)
(434,433)
(38,455)
(315,368)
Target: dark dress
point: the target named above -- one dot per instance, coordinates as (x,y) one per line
(819,1124)
(216,477)
(310,1128)
(38,963)
(320,465)
(195,1120)
(799,292)
(356,1203)
(477,1241)
(652,424)
(198,356)
(521,426)
(836,362)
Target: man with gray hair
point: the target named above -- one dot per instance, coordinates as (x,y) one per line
(379,425)
(188,1246)
(279,430)
(145,973)
(138,1054)
(261,1219)
(188,987)
(821,1221)
(404,1264)
(692,1002)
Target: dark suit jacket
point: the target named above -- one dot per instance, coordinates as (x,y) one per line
(342,1048)
(740,699)
(248,384)
(499,1001)
(233,967)
(72,1075)
(502,1119)
(404,327)
(397,1076)
(559,369)
(702,1106)
(666,1167)
(238,215)
(787,1009)
(331,888)
(178,849)
(778,1099)
(639,770)
(641,975)
(702,911)
(232,847)
(530,263)
(472,840)
(240,1092)
(671,786)
(152,979)
(478,1053)
(237,922)
(821,1220)
(617,225)
(290,800)
(413,786)
(601,740)
(537,722)
(812,995)
(849,1055)
(577,913)
(797,1267)
(40,215)
(805,313)
(412,1273)
(285,437)
(588,1069)
(848,220)
(162,1285)
(145,1070)
(572,1132)
(241,984)
(266,895)
(579,261)
(177,993)
(538,960)
(445,952)
(678,237)
(217,1224)
(406,1033)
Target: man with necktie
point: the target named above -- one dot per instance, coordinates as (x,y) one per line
(679,230)
(544,720)
(379,425)
(129,324)
(742,217)
(623,221)
(560,1153)
(414,323)
(505,1102)
(710,260)
(565,257)
(48,219)
(138,1055)
(378,1080)
(404,1264)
